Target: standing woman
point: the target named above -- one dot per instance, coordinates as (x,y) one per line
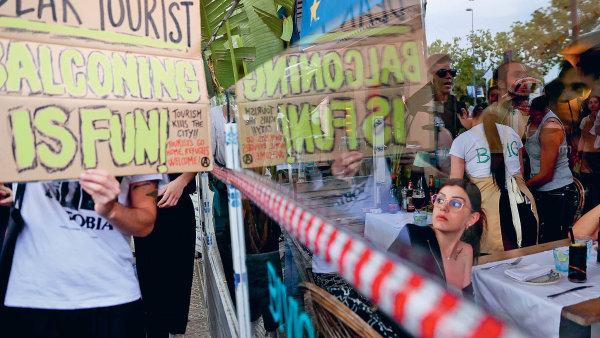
(165,259)
(511,217)
(551,178)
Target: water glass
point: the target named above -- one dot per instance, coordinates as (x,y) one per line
(561,258)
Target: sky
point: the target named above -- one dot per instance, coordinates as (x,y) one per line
(446,19)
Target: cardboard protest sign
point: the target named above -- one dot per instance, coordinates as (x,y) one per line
(160,27)
(58,140)
(71,104)
(35,69)
(316,101)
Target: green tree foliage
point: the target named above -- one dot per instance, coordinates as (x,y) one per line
(535,42)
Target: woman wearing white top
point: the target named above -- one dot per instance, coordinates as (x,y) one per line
(511,220)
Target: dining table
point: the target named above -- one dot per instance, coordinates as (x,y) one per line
(527,304)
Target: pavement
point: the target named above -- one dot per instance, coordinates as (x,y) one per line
(198,317)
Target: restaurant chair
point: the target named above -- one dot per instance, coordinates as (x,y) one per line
(331,317)
(580,200)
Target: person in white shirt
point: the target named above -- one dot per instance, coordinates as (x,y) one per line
(500,180)
(72,272)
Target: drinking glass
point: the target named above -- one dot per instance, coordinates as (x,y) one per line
(578,261)
(588,243)
(561,258)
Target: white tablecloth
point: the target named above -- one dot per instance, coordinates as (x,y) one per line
(382,229)
(527,305)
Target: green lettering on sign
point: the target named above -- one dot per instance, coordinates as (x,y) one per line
(50,122)
(254,86)
(90,134)
(275,76)
(399,120)
(189,87)
(122,144)
(21,66)
(125,72)
(335,80)
(74,82)
(411,66)
(354,80)
(99,65)
(146,137)
(163,77)
(311,72)
(23,140)
(378,107)
(391,65)
(46,72)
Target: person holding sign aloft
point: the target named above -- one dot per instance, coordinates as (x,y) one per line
(165,258)
(72,269)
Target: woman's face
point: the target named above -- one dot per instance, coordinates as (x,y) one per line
(593,104)
(449,217)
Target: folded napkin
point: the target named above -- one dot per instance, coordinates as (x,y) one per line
(529,272)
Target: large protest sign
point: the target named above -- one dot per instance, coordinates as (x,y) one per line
(162,27)
(324,98)
(67,108)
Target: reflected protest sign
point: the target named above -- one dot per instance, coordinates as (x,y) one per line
(314,102)
(69,106)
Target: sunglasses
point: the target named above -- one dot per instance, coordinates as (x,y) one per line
(453,203)
(443,72)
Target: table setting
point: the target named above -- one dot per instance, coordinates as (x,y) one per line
(532,290)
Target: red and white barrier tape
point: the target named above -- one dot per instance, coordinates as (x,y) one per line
(421,306)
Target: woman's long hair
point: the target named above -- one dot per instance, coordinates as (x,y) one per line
(471,235)
(497,165)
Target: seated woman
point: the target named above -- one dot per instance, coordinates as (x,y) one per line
(511,216)
(552,179)
(453,239)
(588,224)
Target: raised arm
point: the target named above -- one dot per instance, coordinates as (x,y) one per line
(138,219)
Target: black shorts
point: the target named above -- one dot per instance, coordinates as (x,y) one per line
(117,321)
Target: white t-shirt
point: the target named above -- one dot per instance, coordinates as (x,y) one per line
(68,257)
(473,147)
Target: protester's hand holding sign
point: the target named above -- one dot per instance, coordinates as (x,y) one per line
(6,196)
(347,164)
(138,219)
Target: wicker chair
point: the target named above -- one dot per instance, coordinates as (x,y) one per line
(331,317)
(580,200)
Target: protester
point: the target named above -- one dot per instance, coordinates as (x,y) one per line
(72,273)
(165,259)
(505,75)
(445,105)
(453,238)
(511,217)
(589,153)
(551,180)
(493,94)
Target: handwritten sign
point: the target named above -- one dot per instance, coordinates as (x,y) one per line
(161,27)
(69,105)
(315,103)
(42,139)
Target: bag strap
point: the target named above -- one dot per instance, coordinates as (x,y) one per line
(15,225)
